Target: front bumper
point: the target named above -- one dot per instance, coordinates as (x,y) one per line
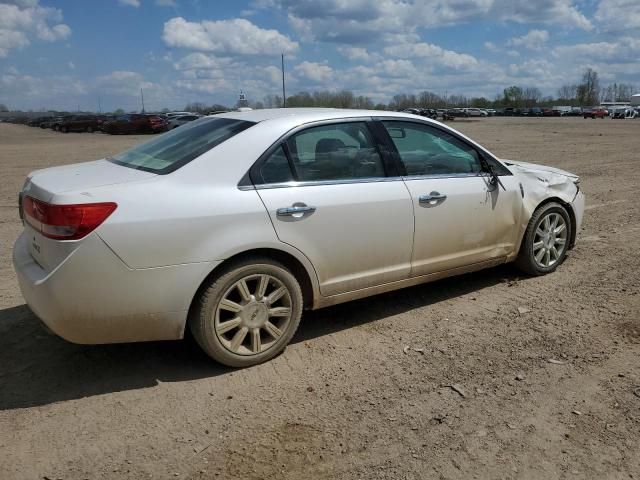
(578,210)
(92,297)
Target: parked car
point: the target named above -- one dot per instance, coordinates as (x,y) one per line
(135,123)
(475,112)
(232,225)
(594,113)
(618,112)
(36,122)
(532,112)
(79,123)
(175,122)
(55,122)
(512,112)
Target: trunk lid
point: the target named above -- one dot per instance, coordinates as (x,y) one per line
(44,184)
(69,184)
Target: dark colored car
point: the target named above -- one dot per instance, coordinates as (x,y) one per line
(79,123)
(512,112)
(533,112)
(594,113)
(36,122)
(135,123)
(53,123)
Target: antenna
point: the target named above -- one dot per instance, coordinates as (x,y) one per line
(284,96)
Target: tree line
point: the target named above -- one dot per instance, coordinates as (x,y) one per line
(586,92)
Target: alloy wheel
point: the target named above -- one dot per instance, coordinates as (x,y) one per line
(550,240)
(253,314)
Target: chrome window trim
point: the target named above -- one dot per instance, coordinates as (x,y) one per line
(265,186)
(445,175)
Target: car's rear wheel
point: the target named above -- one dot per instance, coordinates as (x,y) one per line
(546,240)
(248,314)
(64,129)
(89,129)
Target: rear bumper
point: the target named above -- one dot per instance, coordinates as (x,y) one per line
(92,297)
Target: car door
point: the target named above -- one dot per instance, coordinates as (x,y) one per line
(331,194)
(461,217)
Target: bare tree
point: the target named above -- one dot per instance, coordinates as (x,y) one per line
(532,96)
(567,92)
(588,90)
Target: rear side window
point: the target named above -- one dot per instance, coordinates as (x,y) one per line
(170,151)
(341,151)
(276,168)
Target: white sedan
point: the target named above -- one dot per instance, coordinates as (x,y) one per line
(233,224)
(178,120)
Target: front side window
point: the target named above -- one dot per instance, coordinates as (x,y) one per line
(341,151)
(425,150)
(171,150)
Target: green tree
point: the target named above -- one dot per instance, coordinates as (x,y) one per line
(513,96)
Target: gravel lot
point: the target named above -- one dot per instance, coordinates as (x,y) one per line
(344,400)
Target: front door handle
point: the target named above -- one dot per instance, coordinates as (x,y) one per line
(432,199)
(297,210)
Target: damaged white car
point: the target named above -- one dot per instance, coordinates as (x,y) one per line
(233,224)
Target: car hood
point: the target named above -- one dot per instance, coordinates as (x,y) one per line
(542,171)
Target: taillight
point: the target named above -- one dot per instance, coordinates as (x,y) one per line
(65,222)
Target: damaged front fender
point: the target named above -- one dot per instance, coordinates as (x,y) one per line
(539,183)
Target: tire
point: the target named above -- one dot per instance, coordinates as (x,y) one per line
(218,328)
(64,129)
(89,129)
(533,243)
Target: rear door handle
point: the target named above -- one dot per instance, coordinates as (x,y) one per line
(295,210)
(432,198)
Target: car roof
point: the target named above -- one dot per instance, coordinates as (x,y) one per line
(305,115)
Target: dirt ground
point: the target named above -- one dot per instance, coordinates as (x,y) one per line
(344,400)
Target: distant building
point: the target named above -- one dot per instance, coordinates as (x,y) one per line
(635,99)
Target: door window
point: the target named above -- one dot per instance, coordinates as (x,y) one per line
(341,151)
(428,151)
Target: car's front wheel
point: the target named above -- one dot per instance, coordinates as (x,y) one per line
(248,314)
(546,240)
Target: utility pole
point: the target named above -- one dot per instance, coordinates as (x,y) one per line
(142,98)
(284,95)
(99,105)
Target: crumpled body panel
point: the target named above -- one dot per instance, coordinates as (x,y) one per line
(540,183)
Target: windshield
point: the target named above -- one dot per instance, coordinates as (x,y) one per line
(170,151)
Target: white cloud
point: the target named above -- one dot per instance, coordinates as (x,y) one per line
(618,15)
(125,83)
(315,72)
(226,37)
(130,3)
(437,56)
(355,53)
(362,21)
(490,46)
(534,40)
(71,65)
(20,20)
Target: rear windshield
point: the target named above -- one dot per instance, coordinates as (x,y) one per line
(170,151)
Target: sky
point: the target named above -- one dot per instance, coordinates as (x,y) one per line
(70,54)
